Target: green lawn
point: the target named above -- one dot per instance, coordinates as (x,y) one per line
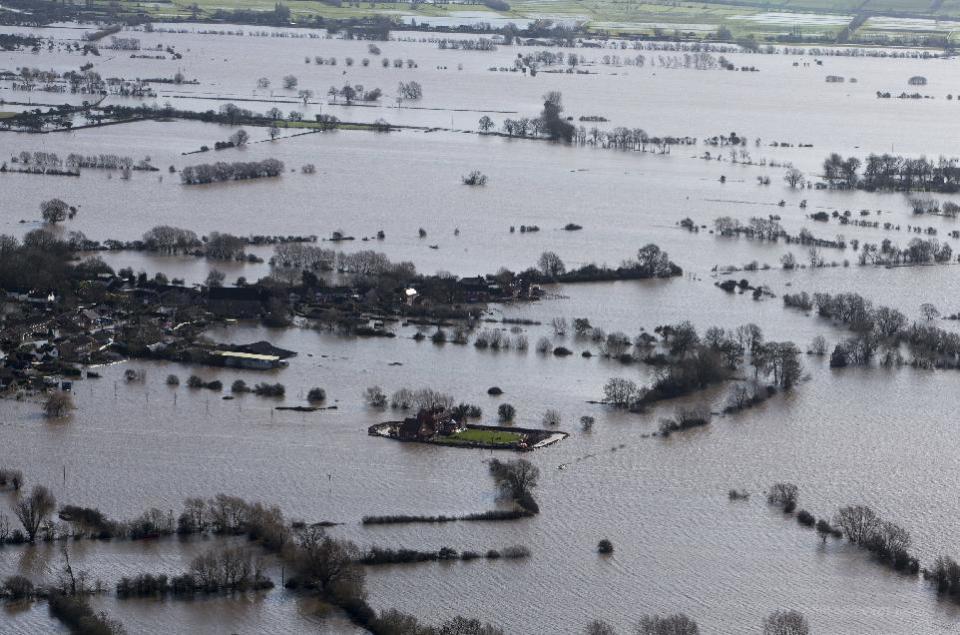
(7,115)
(491,437)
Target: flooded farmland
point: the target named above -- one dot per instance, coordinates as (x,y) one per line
(857,433)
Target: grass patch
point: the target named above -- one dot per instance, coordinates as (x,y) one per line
(490,437)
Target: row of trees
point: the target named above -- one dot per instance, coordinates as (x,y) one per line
(882,328)
(780,622)
(918,251)
(651,262)
(236,171)
(893,172)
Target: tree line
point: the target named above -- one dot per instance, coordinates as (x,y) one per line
(893,172)
(235,171)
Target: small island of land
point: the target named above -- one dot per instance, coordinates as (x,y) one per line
(429,427)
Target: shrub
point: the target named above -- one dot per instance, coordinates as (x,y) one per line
(173,380)
(317,395)
(506,413)
(194,382)
(805,518)
(239,386)
(494,391)
(476,177)
(375,397)
(605,546)
(551,417)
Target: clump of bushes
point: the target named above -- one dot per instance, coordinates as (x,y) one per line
(196,383)
(239,386)
(506,413)
(605,546)
(76,613)
(17,587)
(264,389)
(173,380)
(476,178)
(317,395)
(684,419)
(465,411)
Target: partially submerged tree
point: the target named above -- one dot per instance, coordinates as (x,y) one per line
(34,509)
(58,404)
(54,211)
(786,623)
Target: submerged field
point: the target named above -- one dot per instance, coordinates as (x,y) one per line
(884,436)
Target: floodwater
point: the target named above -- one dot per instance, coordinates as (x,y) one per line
(882,437)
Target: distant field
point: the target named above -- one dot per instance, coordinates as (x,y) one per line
(741,17)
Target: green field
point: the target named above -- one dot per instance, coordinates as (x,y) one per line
(489,437)
(765,20)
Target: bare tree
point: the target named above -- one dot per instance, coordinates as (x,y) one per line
(33,510)
(551,265)
(620,392)
(793,178)
(858,522)
(784,495)
(515,478)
